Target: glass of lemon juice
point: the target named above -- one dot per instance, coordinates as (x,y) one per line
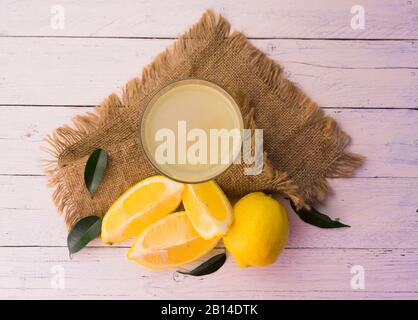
(191,130)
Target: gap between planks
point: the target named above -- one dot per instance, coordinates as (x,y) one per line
(353,177)
(108,247)
(175,38)
(93,106)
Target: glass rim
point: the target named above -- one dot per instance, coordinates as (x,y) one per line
(165,89)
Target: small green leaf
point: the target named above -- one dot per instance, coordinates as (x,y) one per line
(316,218)
(83,232)
(95,170)
(207,267)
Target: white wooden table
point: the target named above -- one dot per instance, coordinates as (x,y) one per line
(366,78)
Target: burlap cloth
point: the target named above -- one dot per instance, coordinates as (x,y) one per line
(303,147)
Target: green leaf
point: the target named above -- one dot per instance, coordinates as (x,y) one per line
(207,267)
(95,170)
(316,218)
(83,232)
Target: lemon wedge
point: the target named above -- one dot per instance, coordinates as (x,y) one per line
(140,206)
(208,208)
(169,242)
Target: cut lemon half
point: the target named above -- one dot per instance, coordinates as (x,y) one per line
(208,208)
(141,205)
(170,242)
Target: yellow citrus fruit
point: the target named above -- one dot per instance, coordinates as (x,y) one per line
(259,232)
(141,205)
(208,208)
(169,242)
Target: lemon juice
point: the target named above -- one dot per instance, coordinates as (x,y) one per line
(191,130)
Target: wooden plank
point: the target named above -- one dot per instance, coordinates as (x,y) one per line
(381,212)
(390,146)
(336,74)
(298,274)
(268,18)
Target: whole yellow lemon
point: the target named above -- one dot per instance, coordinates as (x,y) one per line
(259,231)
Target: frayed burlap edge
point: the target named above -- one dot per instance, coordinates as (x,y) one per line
(153,75)
(271,73)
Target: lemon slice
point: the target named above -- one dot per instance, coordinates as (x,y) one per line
(141,205)
(208,208)
(169,242)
